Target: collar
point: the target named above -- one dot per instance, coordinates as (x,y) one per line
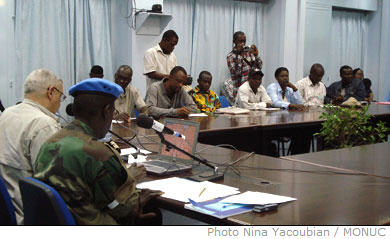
(158,48)
(83,126)
(41,108)
(197,90)
(162,86)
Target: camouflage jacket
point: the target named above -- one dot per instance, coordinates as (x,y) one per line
(89,176)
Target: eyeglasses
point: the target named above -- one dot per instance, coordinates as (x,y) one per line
(63,97)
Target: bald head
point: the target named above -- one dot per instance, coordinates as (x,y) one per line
(123,76)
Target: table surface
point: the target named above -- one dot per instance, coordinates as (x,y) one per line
(325,196)
(219,122)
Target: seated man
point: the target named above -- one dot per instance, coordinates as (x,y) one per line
(340,91)
(25,127)
(130,98)
(90,175)
(251,94)
(168,98)
(96,72)
(204,98)
(283,93)
(313,91)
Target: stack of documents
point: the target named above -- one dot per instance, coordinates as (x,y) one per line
(236,204)
(232,110)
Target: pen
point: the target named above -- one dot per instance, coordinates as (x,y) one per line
(225,206)
(202,192)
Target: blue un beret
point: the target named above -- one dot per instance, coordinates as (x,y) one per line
(96,86)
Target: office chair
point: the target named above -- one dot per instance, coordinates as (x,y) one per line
(224,101)
(7,210)
(43,205)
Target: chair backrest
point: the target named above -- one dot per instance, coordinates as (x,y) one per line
(7,209)
(42,205)
(224,101)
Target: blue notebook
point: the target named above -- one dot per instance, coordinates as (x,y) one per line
(218,209)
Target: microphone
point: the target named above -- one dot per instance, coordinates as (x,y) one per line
(146,122)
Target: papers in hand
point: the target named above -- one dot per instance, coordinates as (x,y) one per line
(131,159)
(181,189)
(257,198)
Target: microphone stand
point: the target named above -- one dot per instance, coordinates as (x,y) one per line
(214,177)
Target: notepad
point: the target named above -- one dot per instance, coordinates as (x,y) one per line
(218,209)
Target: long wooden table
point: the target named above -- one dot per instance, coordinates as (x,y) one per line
(324,196)
(251,132)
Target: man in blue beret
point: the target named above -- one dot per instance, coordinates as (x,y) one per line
(90,175)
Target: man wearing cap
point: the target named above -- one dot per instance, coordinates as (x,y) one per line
(130,98)
(168,97)
(90,175)
(25,127)
(251,94)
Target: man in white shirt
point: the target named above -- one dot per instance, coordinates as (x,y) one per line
(251,94)
(311,88)
(25,127)
(130,97)
(160,59)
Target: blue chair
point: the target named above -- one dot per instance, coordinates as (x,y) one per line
(136,112)
(42,205)
(7,209)
(224,101)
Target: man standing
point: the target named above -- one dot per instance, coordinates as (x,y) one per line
(160,59)
(311,88)
(251,94)
(130,98)
(25,127)
(168,97)
(241,60)
(206,99)
(90,175)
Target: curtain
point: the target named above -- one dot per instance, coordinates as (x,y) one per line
(205,44)
(67,37)
(348,40)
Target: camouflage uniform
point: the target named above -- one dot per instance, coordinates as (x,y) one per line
(89,176)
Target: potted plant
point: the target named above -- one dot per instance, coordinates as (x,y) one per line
(347,127)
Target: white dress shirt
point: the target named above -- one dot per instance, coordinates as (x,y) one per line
(156,60)
(247,99)
(312,95)
(23,129)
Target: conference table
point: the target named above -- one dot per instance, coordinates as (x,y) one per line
(252,132)
(325,195)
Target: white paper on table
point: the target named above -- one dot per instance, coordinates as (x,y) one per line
(181,189)
(117,121)
(257,198)
(139,160)
(197,115)
(127,151)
